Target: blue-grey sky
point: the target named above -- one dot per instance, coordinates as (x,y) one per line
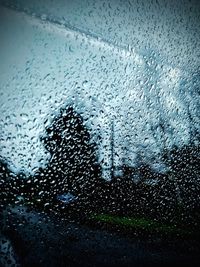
(127,61)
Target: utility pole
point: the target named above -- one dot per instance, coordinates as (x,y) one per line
(112,149)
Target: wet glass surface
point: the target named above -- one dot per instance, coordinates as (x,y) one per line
(99,133)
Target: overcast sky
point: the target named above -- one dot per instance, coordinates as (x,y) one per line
(139,71)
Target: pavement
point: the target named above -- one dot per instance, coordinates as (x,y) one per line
(30,238)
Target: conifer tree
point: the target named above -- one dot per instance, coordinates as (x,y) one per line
(72,165)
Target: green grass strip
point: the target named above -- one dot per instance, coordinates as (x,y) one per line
(138,223)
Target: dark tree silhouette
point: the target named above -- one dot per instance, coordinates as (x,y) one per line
(72,166)
(11,184)
(183,176)
(4,176)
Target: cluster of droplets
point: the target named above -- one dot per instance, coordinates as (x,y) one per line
(102,89)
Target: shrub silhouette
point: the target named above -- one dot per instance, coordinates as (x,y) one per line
(4,177)
(12,185)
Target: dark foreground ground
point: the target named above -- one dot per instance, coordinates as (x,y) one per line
(32,239)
